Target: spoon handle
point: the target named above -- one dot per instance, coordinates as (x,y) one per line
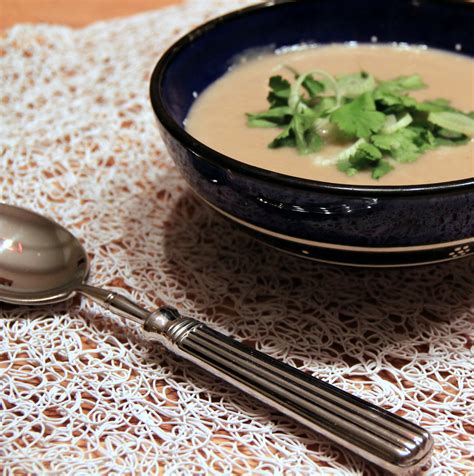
(379,436)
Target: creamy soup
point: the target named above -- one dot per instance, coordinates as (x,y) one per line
(217,118)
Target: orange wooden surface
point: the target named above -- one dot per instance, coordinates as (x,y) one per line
(75,13)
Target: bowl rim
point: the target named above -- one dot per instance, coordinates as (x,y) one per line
(208,154)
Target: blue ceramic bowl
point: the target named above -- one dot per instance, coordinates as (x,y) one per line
(355,225)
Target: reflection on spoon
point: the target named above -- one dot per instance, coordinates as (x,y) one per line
(42,263)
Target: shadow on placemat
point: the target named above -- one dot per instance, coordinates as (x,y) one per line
(208,256)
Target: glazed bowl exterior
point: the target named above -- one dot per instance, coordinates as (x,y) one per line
(354,225)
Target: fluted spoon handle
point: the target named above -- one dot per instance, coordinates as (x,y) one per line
(379,436)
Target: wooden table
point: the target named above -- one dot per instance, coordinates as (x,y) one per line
(71,13)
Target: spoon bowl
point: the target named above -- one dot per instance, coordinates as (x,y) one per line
(41,262)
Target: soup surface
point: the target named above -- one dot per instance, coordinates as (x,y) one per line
(217,118)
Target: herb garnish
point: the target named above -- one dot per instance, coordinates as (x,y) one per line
(378,120)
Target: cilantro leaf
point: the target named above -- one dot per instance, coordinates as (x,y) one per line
(392,94)
(311,143)
(435,105)
(405,145)
(272,118)
(392,102)
(402,84)
(365,157)
(368,152)
(313,86)
(285,139)
(359,117)
(346,167)
(300,133)
(382,168)
(399,145)
(279,91)
(305,135)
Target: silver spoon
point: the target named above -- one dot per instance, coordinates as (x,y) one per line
(42,263)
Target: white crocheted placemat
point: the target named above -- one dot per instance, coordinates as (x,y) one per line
(81,393)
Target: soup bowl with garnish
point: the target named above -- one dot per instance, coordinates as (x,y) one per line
(333,131)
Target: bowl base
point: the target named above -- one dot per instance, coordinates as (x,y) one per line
(356,256)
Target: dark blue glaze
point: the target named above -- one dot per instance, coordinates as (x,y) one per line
(370,217)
